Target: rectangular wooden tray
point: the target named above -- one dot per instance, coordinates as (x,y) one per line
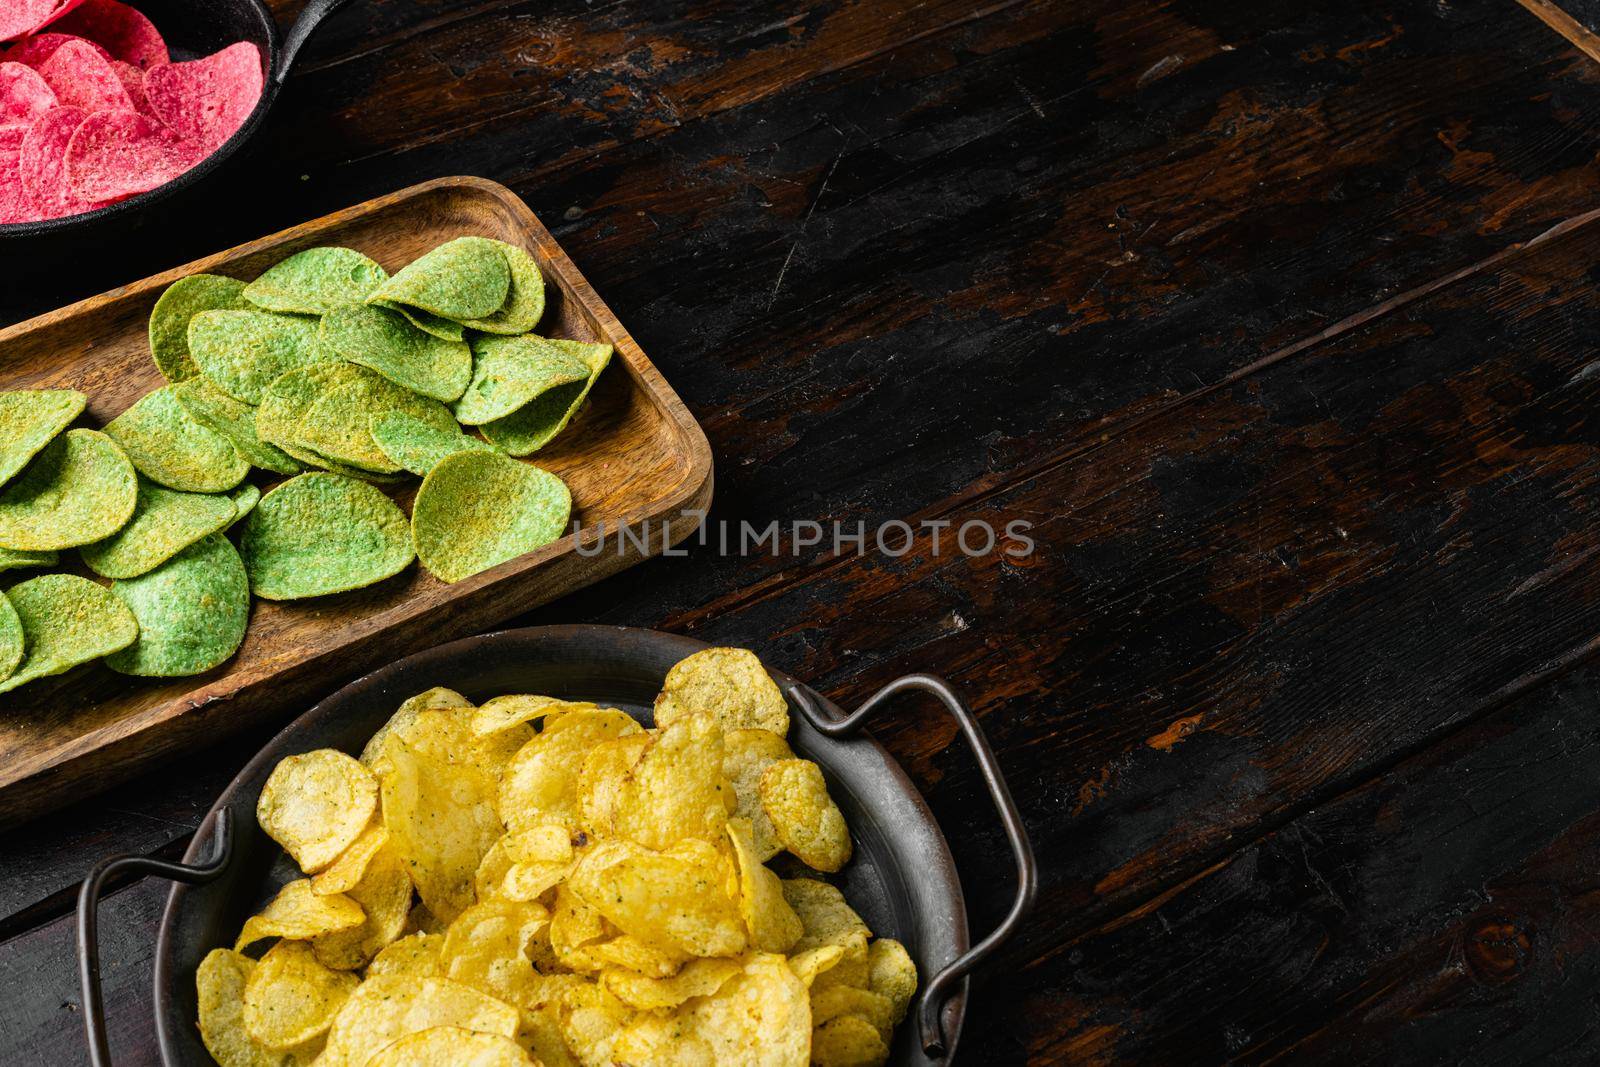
(634,455)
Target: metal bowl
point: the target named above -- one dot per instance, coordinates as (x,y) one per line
(902,879)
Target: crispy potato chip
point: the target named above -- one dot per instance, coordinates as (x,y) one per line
(338,423)
(384,893)
(12,641)
(427,322)
(422,921)
(344,873)
(317,281)
(661,1040)
(476,510)
(677,790)
(321,533)
(605,771)
(316,805)
(677,899)
(486,947)
(506,712)
(220,983)
(192,611)
(524,304)
(245,498)
(891,974)
(165,522)
(489,879)
(386,342)
(467,278)
(244,351)
(848,1041)
(384,1009)
(746,754)
(536,424)
(289,396)
(290,999)
(173,448)
(698,978)
(731,685)
(207,100)
(574,929)
(804,816)
(66,620)
(234,420)
(441,820)
(772,924)
(631,954)
(833,1002)
(535,860)
(540,782)
(417,446)
(452,1046)
(31,419)
(181,302)
(415,954)
(437,697)
(814,961)
(298,914)
(13,560)
(828,920)
(590,1019)
(761,1018)
(510,372)
(79,489)
(446,734)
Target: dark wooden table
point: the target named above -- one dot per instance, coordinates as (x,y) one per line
(1279,323)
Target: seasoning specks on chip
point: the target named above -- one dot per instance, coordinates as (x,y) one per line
(234,420)
(467,278)
(530,428)
(417,446)
(165,522)
(78,490)
(180,303)
(476,510)
(66,620)
(510,372)
(524,305)
(316,281)
(192,611)
(244,351)
(170,446)
(12,641)
(322,533)
(31,419)
(385,341)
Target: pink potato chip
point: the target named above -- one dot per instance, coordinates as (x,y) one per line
(82,77)
(132,79)
(207,100)
(125,32)
(11,138)
(24,95)
(36,48)
(44,163)
(18,17)
(14,203)
(115,154)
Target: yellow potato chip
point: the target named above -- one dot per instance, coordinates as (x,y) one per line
(761,1018)
(891,974)
(220,983)
(676,790)
(421,920)
(590,1018)
(437,697)
(771,923)
(541,780)
(629,953)
(697,978)
(661,1041)
(848,1041)
(384,893)
(673,900)
(539,858)
(804,816)
(316,804)
(486,948)
(452,1046)
(730,685)
(298,914)
(384,1009)
(290,1000)
(834,1001)
(745,755)
(828,920)
(814,961)
(415,954)
(490,879)
(343,874)
(509,711)
(605,770)
(441,821)
(574,929)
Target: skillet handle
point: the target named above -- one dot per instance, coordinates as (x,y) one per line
(310,18)
(94,1023)
(940,989)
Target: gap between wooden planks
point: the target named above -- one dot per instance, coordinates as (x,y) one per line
(1552,15)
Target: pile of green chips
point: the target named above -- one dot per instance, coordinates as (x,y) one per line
(325,371)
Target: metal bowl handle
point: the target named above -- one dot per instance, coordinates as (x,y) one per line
(94,1023)
(930,1015)
(304,26)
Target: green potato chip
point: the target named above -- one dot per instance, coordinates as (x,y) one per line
(525,304)
(338,425)
(66,620)
(173,448)
(192,612)
(477,510)
(31,419)
(11,640)
(508,373)
(243,351)
(283,410)
(169,319)
(13,560)
(383,341)
(79,490)
(316,281)
(532,427)
(418,446)
(467,278)
(164,523)
(245,498)
(234,420)
(442,328)
(322,533)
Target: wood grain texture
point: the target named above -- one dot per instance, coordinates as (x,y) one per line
(634,457)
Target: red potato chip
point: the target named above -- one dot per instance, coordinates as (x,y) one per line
(82,77)
(24,95)
(116,154)
(11,138)
(44,163)
(207,100)
(125,32)
(132,79)
(18,17)
(36,48)
(14,203)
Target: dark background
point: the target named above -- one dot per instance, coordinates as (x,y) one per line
(1277,320)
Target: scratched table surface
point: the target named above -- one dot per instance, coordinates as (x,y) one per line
(1277,321)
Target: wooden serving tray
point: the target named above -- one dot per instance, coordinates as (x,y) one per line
(634,455)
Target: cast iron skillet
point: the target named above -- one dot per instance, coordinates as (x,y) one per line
(192,28)
(901,880)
